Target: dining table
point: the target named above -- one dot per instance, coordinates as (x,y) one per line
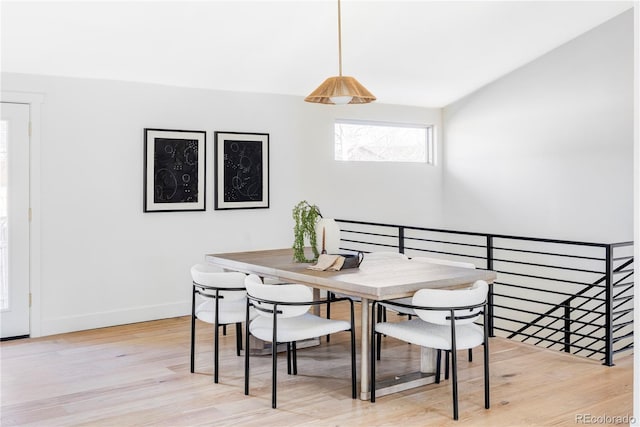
(374,280)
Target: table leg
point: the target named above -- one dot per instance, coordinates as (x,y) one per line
(427,360)
(316,296)
(364,351)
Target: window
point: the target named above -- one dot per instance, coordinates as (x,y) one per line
(360,141)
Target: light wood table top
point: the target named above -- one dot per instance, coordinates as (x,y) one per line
(376,280)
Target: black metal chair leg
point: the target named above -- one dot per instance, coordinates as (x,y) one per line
(238,338)
(224,330)
(329,298)
(353,355)
(294,351)
(216,347)
(454,366)
(288,358)
(486,360)
(246,356)
(274,376)
(446,364)
(374,348)
(454,370)
(193,331)
(216,339)
(382,317)
(486,379)
(446,373)
(438,365)
(274,357)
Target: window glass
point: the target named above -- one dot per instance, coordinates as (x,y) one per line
(358,141)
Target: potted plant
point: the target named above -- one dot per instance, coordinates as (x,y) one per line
(305,216)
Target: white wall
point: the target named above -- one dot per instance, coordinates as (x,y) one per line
(547,150)
(398,193)
(105,262)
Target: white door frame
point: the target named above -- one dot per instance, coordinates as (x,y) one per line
(34,100)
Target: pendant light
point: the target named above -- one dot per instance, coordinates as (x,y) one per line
(340,89)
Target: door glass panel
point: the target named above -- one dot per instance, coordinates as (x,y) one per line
(4,243)
(14,220)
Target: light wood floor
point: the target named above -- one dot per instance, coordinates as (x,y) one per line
(139,375)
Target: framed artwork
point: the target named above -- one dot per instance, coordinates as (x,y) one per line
(174,170)
(242,170)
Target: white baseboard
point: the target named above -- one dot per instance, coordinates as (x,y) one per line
(60,325)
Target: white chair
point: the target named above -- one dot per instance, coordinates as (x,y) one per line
(410,312)
(222,302)
(445,322)
(283,318)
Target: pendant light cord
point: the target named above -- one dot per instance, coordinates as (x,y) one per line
(339,39)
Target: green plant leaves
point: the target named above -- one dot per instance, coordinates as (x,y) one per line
(305,216)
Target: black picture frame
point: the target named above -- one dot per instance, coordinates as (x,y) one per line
(241,170)
(174,170)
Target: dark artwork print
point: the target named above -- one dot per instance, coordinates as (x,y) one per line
(176,170)
(242,171)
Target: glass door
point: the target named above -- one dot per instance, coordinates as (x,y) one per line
(14,220)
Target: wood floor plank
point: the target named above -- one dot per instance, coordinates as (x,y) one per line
(138,374)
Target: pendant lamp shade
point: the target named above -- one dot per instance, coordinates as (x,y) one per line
(340,89)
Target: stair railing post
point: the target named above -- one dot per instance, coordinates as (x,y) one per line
(567,326)
(608,317)
(490,295)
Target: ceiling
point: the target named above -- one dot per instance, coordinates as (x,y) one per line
(422,53)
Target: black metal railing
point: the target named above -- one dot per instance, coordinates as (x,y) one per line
(570,296)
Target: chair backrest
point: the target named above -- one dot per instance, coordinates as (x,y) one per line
(373,256)
(278,293)
(443,262)
(208,275)
(477,294)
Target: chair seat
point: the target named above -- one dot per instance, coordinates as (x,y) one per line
(419,332)
(398,309)
(228,311)
(296,328)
